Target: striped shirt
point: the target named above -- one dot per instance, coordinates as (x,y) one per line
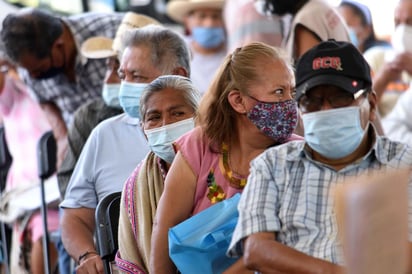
(290,193)
(67,95)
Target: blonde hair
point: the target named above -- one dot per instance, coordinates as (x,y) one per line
(238,71)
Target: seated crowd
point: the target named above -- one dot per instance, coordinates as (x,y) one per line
(181,123)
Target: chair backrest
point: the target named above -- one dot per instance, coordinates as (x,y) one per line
(46,164)
(107,221)
(46,155)
(5,163)
(5,159)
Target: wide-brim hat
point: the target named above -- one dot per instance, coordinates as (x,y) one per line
(333,63)
(103,47)
(178,9)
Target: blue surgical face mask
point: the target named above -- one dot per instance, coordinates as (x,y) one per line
(334,133)
(208,37)
(129,97)
(353,38)
(110,94)
(160,139)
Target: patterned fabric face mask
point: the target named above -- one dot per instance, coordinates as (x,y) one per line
(277,120)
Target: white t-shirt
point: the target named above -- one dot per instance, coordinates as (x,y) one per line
(203,67)
(112,151)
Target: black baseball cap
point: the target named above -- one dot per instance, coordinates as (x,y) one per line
(332,63)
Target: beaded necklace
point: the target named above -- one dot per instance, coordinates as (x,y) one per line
(228,173)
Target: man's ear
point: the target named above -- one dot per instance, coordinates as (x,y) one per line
(372,98)
(58,52)
(180,71)
(58,43)
(236,100)
(374,116)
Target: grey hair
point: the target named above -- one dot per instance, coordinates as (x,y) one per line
(176,82)
(168,49)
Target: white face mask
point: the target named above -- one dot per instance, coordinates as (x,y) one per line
(402,38)
(160,139)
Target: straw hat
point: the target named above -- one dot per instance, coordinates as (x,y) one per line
(102,47)
(178,9)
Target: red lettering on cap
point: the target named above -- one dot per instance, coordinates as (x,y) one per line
(327,63)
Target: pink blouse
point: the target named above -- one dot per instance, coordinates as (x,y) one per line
(194,146)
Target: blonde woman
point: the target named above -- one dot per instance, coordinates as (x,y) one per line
(248,108)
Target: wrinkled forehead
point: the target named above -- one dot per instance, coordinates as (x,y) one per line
(137,58)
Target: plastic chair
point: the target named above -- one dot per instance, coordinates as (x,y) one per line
(5,163)
(107,221)
(47,158)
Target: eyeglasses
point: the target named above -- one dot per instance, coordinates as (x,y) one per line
(313,103)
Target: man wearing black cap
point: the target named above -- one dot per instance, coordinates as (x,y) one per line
(286,221)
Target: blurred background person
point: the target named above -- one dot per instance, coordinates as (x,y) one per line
(313,21)
(244,24)
(24,124)
(392,67)
(206,36)
(108,105)
(397,125)
(168,106)
(359,20)
(54,69)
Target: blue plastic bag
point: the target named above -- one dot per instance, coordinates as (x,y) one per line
(199,244)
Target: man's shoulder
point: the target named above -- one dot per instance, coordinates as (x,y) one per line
(91,106)
(93,112)
(117,123)
(393,152)
(91,24)
(90,17)
(289,151)
(112,122)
